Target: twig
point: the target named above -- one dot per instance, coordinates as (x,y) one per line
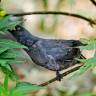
(68,71)
(93,2)
(54,13)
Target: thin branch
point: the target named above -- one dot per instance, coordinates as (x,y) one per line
(68,71)
(93,2)
(54,13)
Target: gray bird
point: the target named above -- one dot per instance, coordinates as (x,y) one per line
(52,54)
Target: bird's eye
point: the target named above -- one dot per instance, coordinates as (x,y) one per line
(18,28)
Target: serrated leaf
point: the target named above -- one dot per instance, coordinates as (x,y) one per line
(10,44)
(24,88)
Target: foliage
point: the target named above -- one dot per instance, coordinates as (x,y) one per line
(8,56)
(91,44)
(6,23)
(87,63)
(21,88)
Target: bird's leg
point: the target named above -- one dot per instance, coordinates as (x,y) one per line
(58,76)
(55,66)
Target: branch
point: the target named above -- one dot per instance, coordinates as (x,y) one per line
(54,13)
(93,2)
(68,71)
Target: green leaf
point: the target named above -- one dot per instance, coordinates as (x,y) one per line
(24,88)
(8,70)
(3,50)
(5,23)
(6,83)
(91,44)
(10,54)
(13,24)
(88,64)
(10,44)
(4,63)
(1,89)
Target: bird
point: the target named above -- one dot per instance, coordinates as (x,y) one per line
(53,54)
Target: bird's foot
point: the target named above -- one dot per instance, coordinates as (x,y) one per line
(58,76)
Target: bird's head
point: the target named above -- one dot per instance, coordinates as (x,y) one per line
(16,31)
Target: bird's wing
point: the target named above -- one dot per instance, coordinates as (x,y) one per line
(61,43)
(46,56)
(58,49)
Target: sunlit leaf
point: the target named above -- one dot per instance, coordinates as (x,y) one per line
(2,12)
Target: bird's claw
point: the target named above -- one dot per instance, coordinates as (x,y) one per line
(58,76)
